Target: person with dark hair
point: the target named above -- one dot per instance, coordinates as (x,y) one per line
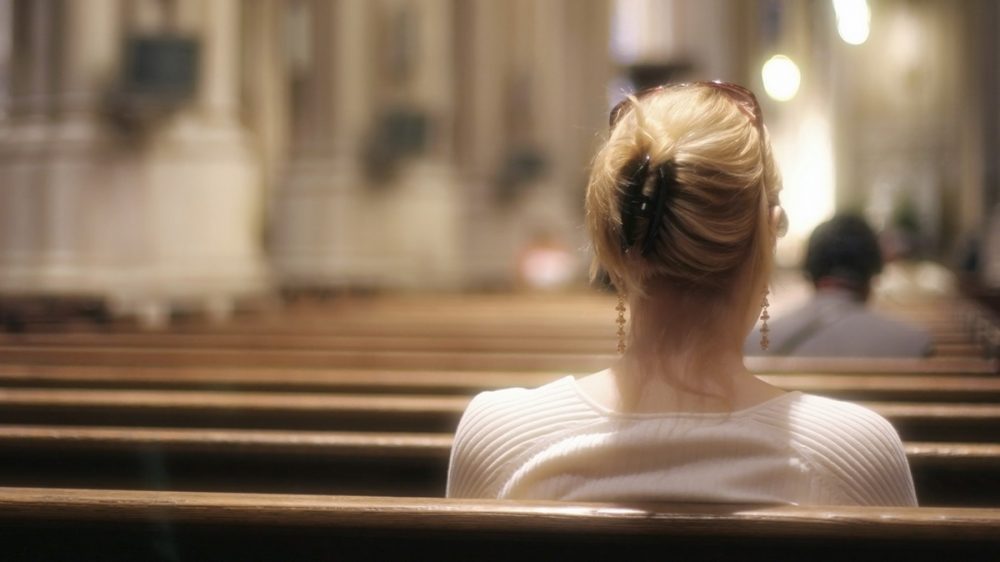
(842,259)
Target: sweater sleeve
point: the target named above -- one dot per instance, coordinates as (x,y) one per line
(467,467)
(499,429)
(857,454)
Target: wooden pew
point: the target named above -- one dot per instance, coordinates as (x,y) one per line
(74,524)
(965,474)
(948,344)
(224,460)
(427,360)
(550,323)
(858,386)
(165,408)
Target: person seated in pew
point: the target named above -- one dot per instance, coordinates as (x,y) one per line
(682,207)
(842,258)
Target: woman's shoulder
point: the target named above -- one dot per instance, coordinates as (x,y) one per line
(838,418)
(856,449)
(517,401)
(499,425)
(821,422)
(499,414)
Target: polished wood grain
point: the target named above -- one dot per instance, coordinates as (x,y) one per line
(899,386)
(241,409)
(129,525)
(425,360)
(522,517)
(346,462)
(951,344)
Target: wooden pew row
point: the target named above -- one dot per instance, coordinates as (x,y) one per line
(949,340)
(898,387)
(519,317)
(966,474)
(952,344)
(460,316)
(55,525)
(427,360)
(544,306)
(163,408)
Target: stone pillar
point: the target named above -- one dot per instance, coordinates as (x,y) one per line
(333,225)
(202,188)
(564,108)
(527,91)
(422,207)
(265,87)
(52,144)
(80,144)
(317,208)
(481,129)
(166,218)
(22,135)
(542,59)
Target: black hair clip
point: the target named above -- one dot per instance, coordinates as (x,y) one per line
(635,204)
(638,205)
(665,178)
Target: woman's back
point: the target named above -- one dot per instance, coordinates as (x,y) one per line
(556,442)
(684,213)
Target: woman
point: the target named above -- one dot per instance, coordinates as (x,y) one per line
(682,207)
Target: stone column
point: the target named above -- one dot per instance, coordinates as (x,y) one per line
(202,187)
(528,91)
(89,53)
(80,147)
(22,135)
(563,106)
(38,75)
(50,146)
(317,210)
(422,207)
(166,218)
(481,129)
(540,84)
(266,87)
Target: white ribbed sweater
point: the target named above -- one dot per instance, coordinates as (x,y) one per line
(554,443)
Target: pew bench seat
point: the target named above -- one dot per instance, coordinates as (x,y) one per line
(73,524)
(890,386)
(966,474)
(923,421)
(456,360)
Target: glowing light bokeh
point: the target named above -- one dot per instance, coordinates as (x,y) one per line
(853,20)
(781,77)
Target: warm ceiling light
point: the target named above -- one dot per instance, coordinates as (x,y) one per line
(853,20)
(781,77)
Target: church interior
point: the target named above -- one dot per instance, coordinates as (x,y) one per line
(257,257)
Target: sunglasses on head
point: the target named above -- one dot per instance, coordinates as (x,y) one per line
(742,97)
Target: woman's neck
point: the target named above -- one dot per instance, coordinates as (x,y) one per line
(685,348)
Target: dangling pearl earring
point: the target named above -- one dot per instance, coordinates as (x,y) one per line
(621,322)
(764,316)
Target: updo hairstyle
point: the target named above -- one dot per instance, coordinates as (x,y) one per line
(695,153)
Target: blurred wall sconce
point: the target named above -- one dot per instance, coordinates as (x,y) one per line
(523,165)
(159,76)
(399,133)
(781,77)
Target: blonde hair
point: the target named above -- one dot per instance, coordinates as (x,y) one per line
(722,185)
